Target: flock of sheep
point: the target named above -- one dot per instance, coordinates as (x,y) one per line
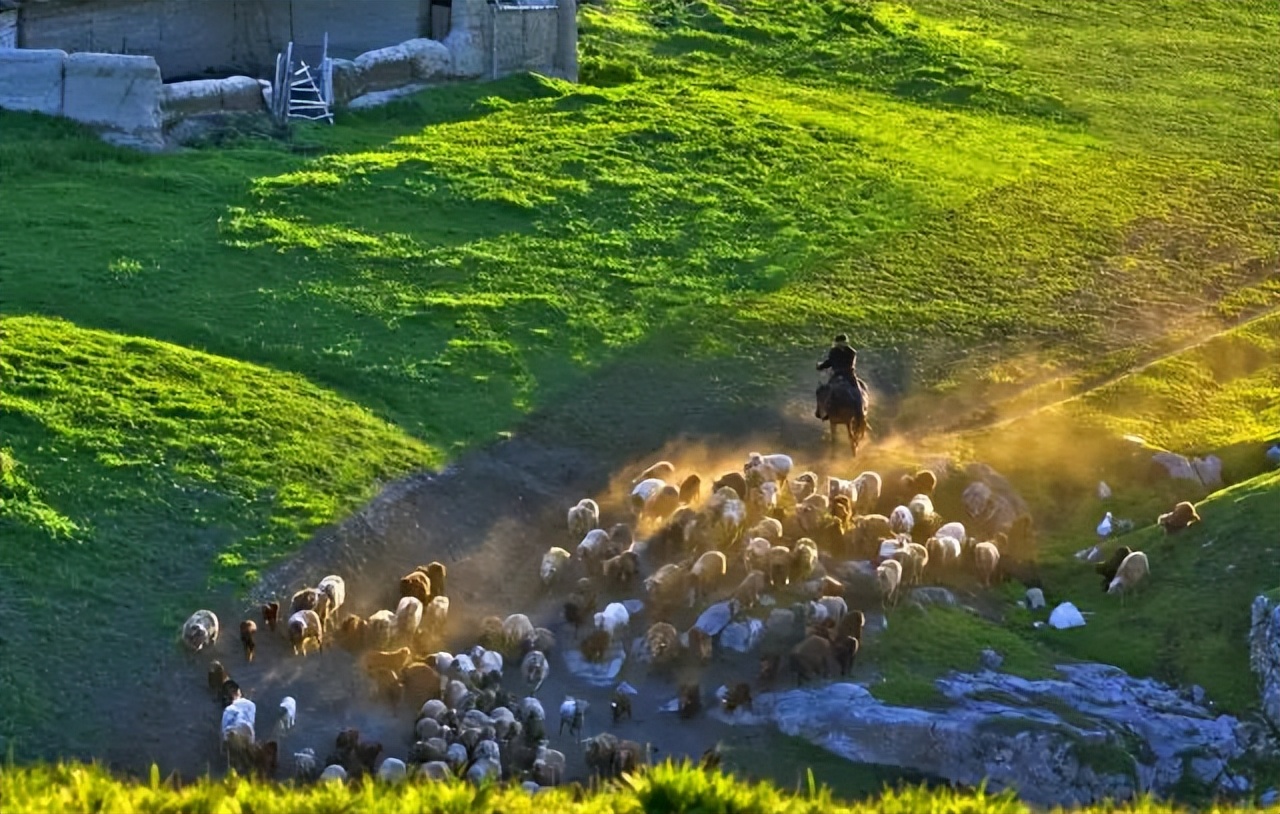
(758,542)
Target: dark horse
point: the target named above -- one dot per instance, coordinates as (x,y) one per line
(848,406)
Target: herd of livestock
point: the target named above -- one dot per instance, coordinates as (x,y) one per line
(790,550)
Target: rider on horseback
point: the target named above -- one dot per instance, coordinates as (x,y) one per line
(841,360)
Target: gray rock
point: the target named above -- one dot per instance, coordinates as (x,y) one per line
(742,636)
(633,606)
(1035,598)
(1012,731)
(1090,554)
(598,675)
(1264,655)
(714,619)
(430,59)
(385,69)
(1177,466)
(32,80)
(1273,454)
(1066,616)
(781,621)
(378,98)
(932,595)
(1269,797)
(114,91)
(991,660)
(1208,470)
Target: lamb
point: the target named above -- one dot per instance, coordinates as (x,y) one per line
(304,627)
(888,577)
(662,642)
(771,467)
(1183,515)
(731,480)
(288,713)
(271,615)
(613,620)
(804,558)
(748,592)
(334,587)
(583,518)
(248,629)
(435,615)
(200,630)
(689,700)
(1133,570)
(987,560)
(553,563)
(417,585)
(691,489)
(710,568)
(380,629)
(769,529)
(408,617)
(392,660)
(866,489)
(514,630)
(305,599)
(811,657)
(845,650)
(1109,568)
(535,670)
(901,520)
(622,569)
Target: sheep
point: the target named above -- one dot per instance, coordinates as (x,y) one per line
(628,757)
(595,645)
(755,555)
(1109,568)
(593,550)
(739,695)
(619,706)
(658,471)
(901,520)
(622,569)
(662,642)
(867,532)
(417,585)
(437,573)
(803,486)
(914,558)
(748,592)
(922,482)
(867,488)
(888,577)
(393,660)
(771,467)
(987,559)
(844,650)
(731,480)
(643,492)
(707,572)
(514,630)
(271,615)
(352,633)
(689,700)
(408,617)
(762,499)
(921,506)
(288,713)
(248,629)
(540,639)
(662,503)
(334,587)
(581,604)
(700,644)
(237,727)
(1131,572)
(216,676)
(690,489)
(200,630)
(304,764)
(421,681)
(830,586)
(613,619)
(583,518)
(599,753)
(392,770)
(304,626)
(305,599)
(954,529)
(804,558)
(1183,515)
(842,509)
(779,561)
(553,562)
(835,606)
(671,585)
(838,486)
(435,615)
(535,670)
(851,625)
(811,657)
(768,529)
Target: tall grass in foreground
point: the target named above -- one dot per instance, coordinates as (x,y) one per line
(665,788)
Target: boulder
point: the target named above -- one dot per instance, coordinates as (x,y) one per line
(1035,598)
(31,80)
(742,636)
(1264,655)
(241,94)
(714,619)
(1175,465)
(859,578)
(932,595)
(195,98)
(598,675)
(430,59)
(392,770)
(1066,616)
(347,81)
(1093,733)
(114,91)
(384,69)
(990,659)
(1208,470)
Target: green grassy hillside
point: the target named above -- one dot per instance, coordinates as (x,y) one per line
(951,182)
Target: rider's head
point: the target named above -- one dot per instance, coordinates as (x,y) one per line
(841,339)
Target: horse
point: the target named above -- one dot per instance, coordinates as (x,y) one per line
(846,406)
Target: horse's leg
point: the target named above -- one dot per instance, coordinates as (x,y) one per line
(834,425)
(853,439)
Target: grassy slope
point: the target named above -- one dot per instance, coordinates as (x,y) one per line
(664,788)
(941,178)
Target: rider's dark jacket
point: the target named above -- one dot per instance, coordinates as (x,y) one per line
(840,359)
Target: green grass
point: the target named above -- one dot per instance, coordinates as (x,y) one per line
(665,789)
(954,183)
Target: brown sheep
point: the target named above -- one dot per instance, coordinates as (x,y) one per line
(540,639)
(421,683)
(394,660)
(734,480)
(436,574)
(367,753)
(842,509)
(845,650)
(595,645)
(217,675)
(691,489)
(271,615)
(417,585)
(865,535)
(664,503)
(662,642)
(1108,569)
(670,586)
(248,629)
(229,692)
(826,629)
(628,757)
(831,587)
(987,561)
(580,607)
(749,590)
(779,566)
(700,645)
(492,636)
(769,667)
(1183,515)
(739,695)
(266,759)
(600,752)
(387,685)
(351,635)
(622,569)
(306,599)
(660,470)
(689,700)
(620,705)
(851,625)
(812,657)
(924,482)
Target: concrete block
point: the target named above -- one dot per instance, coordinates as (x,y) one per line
(431,59)
(115,91)
(241,94)
(385,68)
(32,80)
(347,81)
(195,98)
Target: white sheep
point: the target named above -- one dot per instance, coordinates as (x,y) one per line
(381,629)
(987,559)
(288,712)
(335,587)
(594,548)
(237,729)
(755,555)
(643,491)
(200,630)
(914,557)
(867,487)
(839,486)
(708,571)
(953,529)
(553,562)
(408,616)
(771,467)
(901,520)
(888,578)
(535,669)
(304,626)
(515,628)
(769,528)
(921,506)
(1133,569)
(490,663)
(763,498)
(583,517)
(803,486)
(613,619)
(435,615)
(304,764)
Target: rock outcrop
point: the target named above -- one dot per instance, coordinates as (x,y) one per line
(1094,733)
(1264,655)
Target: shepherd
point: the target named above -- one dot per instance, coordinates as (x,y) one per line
(841,361)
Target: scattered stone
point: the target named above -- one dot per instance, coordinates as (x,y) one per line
(1066,616)
(767,601)
(991,660)
(1090,554)
(1035,598)
(714,619)
(598,675)
(1104,491)
(633,606)
(1273,455)
(932,595)
(1209,470)
(530,786)
(114,91)
(1269,797)
(742,637)
(1264,655)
